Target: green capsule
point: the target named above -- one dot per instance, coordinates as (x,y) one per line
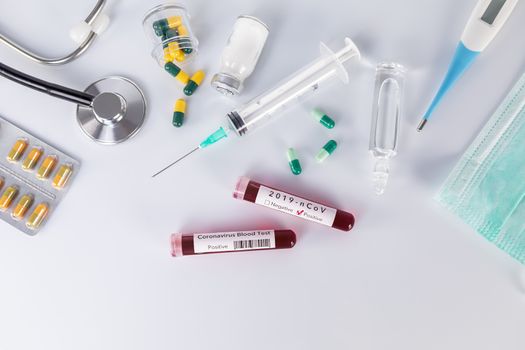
(293,161)
(160,27)
(327,150)
(171,33)
(186,44)
(322,118)
(172,68)
(184,39)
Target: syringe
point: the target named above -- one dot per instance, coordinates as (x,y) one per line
(260,109)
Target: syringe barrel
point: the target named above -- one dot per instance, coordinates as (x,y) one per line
(308,79)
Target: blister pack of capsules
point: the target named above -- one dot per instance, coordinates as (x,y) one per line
(34,177)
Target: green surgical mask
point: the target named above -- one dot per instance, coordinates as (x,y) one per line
(486,189)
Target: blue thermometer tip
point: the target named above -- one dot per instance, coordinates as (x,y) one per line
(463,58)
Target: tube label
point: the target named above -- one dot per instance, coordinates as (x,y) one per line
(295,206)
(233,241)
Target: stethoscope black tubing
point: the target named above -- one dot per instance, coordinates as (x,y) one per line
(55,90)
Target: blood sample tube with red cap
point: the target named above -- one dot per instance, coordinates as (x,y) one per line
(237,241)
(289,203)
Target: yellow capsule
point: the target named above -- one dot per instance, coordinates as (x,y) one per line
(62,176)
(167,55)
(175,52)
(179,56)
(32,158)
(7,197)
(47,167)
(183,31)
(37,216)
(174,21)
(22,207)
(183,77)
(17,151)
(180,106)
(198,77)
(2,181)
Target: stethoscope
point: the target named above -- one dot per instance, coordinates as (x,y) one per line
(110,110)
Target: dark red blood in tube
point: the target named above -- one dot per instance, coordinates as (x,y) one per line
(248,190)
(183,244)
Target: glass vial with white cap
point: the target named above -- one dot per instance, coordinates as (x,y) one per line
(389,85)
(240,55)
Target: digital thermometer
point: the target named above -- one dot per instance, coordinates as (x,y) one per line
(485,22)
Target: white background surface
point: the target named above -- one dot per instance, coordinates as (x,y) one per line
(409,276)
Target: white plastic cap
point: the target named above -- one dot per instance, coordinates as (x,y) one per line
(100,24)
(80,32)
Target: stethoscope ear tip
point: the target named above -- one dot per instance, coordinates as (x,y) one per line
(80,32)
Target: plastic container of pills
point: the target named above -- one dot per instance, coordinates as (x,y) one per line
(168,27)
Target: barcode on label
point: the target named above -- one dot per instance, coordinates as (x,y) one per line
(252,244)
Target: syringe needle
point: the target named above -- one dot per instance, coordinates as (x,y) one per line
(175,162)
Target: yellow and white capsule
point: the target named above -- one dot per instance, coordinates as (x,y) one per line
(62,176)
(22,207)
(37,216)
(7,197)
(47,167)
(17,150)
(32,159)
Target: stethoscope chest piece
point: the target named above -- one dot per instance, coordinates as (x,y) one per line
(117,113)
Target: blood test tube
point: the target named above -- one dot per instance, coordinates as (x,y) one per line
(285,202)
(227,242)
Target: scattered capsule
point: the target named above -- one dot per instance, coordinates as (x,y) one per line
(178,112)
(17,150)
(194,83)
(327,150)
(322,118)
(162,25)
(184,39)
(62,176)
(178,73)
(293,161)
(2,181)
(47,167)
(32,159)
(22,207)
(37,216)
(176,52)
(7,197)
